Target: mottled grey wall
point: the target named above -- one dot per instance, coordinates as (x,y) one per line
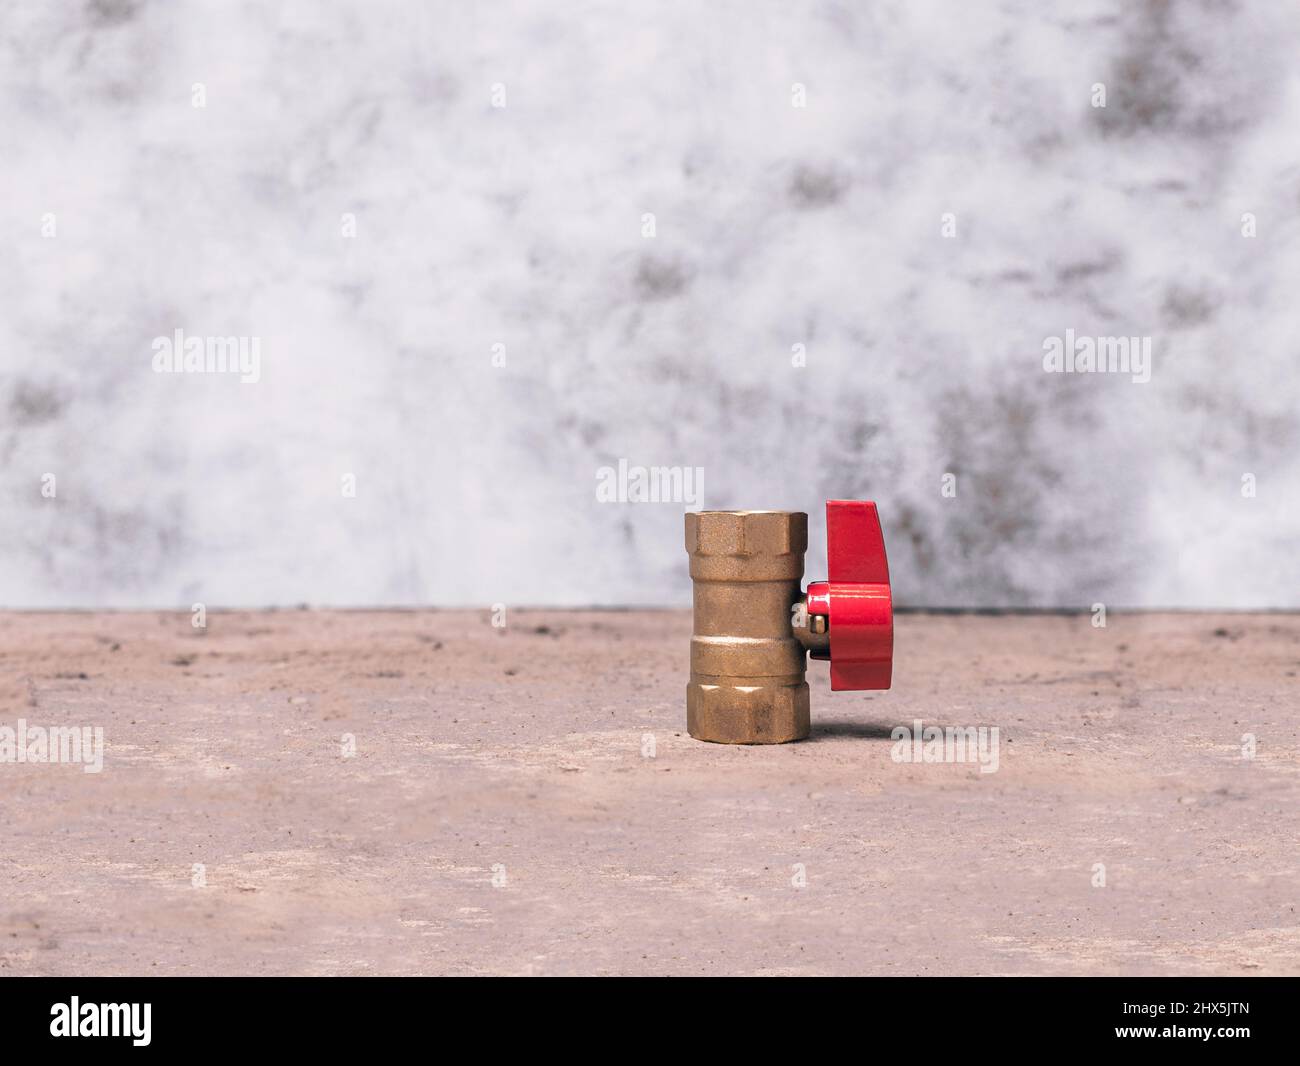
(522,226)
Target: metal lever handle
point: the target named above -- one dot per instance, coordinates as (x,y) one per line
(856,600)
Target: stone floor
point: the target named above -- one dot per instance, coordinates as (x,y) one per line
(525,801)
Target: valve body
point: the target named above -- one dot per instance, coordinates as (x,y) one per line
(747,681)
(753,625)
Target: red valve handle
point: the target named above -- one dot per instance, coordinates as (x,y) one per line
(856,598)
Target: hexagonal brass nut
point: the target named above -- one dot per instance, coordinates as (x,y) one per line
(746,532)
(747,714)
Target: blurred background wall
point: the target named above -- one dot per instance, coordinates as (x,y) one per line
(434,220)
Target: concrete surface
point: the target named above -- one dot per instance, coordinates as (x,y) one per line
(521,749)
(909,198)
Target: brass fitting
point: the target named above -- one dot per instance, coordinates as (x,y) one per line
(753,625)
(747,667)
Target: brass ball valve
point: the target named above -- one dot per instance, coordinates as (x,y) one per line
(753,624)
